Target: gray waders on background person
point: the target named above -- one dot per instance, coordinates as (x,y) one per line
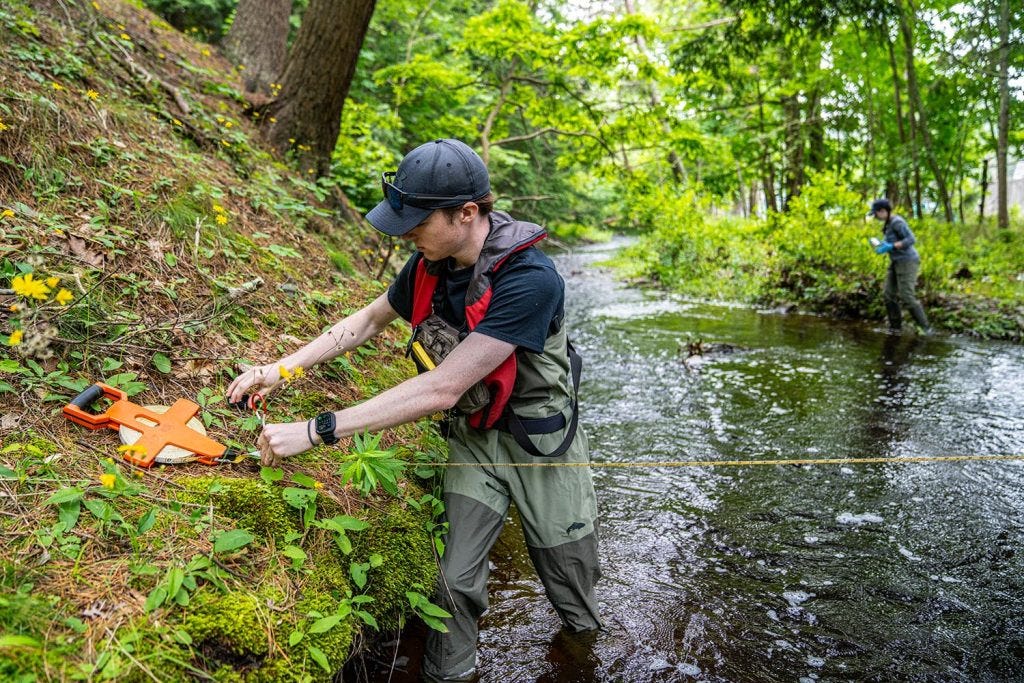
(900,282)
(557,507)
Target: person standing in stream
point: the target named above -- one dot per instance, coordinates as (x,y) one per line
(904,263)
(489,306)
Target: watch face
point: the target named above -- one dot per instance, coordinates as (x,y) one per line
(324,423)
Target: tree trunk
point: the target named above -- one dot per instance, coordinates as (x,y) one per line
(1002,140)
(907,17)
(258,41)
(793,137)
(316,81)
(984,190)
(815,132)
(901,127)
(794,149)
(768,177)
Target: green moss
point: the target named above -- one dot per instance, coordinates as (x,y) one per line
(328,572)
(255,505)
(335,643)
(231,625)
(399,535)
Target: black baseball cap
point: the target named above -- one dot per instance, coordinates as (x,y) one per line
(880,204)
(436,175)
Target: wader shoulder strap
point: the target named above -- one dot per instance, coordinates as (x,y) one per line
(521,429)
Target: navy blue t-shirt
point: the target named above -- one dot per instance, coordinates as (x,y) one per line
(527,298)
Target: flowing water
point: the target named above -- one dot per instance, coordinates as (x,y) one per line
(873,572)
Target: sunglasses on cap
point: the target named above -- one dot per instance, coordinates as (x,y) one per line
(397,198)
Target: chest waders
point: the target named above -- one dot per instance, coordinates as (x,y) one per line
(532,414)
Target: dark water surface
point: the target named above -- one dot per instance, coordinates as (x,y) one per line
(781,573)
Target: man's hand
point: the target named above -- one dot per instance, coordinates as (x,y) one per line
(278,441)
(883,248)
(261,377)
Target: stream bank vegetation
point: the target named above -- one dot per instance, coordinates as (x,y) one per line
(151,242)
(816,258)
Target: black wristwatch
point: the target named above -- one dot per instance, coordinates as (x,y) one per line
(324,426)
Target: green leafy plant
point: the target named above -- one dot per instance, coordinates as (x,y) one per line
(179,582)
(430,613)
(340,525)
(367,465)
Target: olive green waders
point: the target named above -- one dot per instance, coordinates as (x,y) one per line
(558,510)
(900,282)
(557,507)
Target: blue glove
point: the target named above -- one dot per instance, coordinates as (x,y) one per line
(883,248)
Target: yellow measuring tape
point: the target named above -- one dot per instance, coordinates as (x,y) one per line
(734,463)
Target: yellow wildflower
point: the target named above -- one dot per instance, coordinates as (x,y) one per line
(52,282)
(56,85)
(285,373)
(30,288)
(95,5)
(299,371)
(217,208)
(225,143)
(204,52)
(3,126)
(317,485)
(221,219)
(6,213)
(273,119)
(15,338)
(14,308)
(92,94)
(108,480)
(176,122)
(125,36)
(64,297)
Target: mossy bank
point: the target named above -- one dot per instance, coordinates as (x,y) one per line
(150,241)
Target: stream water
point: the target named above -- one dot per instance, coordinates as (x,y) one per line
(875,572)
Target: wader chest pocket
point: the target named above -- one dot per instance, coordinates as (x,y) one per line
(435,339)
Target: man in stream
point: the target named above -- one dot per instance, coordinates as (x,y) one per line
(904,262)
(492,349)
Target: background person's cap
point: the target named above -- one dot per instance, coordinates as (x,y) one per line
(880,204)
(442,168)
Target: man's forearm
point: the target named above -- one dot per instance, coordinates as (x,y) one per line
(414,398)
(343,336)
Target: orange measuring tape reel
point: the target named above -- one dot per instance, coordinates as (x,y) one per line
(165,429)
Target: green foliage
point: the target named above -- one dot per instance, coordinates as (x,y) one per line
(205,18)
(367,465)
(431,614)
(397,535)
(817,257)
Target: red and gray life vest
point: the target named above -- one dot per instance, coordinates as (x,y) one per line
(539,381)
